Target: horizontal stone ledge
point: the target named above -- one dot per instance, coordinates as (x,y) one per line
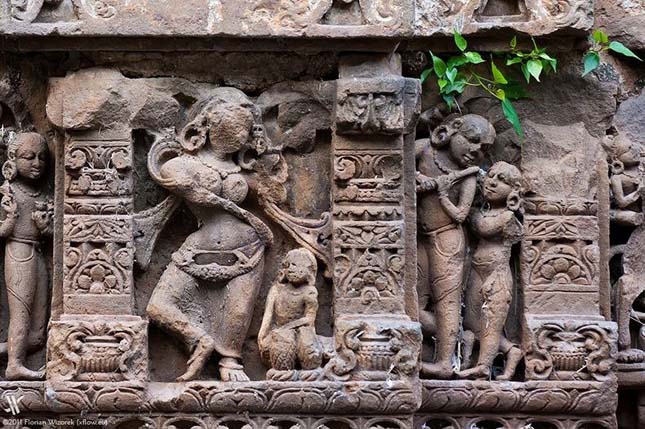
(285,19)
(270,397)
(531,397)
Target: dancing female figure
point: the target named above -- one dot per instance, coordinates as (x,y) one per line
(207,293)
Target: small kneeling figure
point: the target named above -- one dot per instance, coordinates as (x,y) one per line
(288,335)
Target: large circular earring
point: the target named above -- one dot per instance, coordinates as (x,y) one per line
(194,134)
(513,201)
(9,170)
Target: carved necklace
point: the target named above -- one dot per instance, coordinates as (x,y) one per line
(439,164)
(25,191)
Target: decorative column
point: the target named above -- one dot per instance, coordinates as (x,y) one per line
(97,337)
(374,219)
(565,336)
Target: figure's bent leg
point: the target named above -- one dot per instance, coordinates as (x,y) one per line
(309,348)
(236,312)
(446,256)
(166,311)
(21,275)
(426,318)
(283,349)
(513,358)
(497,300)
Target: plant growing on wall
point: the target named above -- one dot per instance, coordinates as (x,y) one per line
(469,68)
(600,43)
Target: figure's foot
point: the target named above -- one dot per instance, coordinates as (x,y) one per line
(200,356)
(480,372)
(22,373)
(437,371)
(513,359)
(231,370)
(631,356)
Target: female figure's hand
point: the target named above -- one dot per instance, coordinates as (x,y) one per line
(9,205)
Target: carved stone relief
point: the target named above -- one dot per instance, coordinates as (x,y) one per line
(307,254)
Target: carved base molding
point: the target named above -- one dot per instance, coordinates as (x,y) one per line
(530,398)
(511,421)
(260,397)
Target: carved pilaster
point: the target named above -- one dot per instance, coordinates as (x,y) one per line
(560,263)
(373,219)
(97,338)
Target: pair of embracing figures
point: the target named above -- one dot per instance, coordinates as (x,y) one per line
(446,187)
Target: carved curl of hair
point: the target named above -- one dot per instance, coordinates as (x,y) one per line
(444,132)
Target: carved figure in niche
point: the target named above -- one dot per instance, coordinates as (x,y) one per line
(207,293)
(628,191)
(446,186)
(490,286)
(28,217)
(288,334)
(626,181)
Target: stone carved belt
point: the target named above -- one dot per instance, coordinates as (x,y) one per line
(437,231)
(245,259)
(37,244)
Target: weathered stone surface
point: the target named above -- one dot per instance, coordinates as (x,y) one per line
(622,21)
(289,18)
(633,107)
(250,230)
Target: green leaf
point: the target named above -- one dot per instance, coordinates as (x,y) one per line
(535,68)
(500,94)
(600,36)
(451,74)
(460,41)
(512,61)
(511,116)
(554,64)
(591,61)
(455,87)
(425,74)
(498,77)
(622,49)
(442,83)
(473,57)
(438,65)
(525,72)
(514,42)
(456,61)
